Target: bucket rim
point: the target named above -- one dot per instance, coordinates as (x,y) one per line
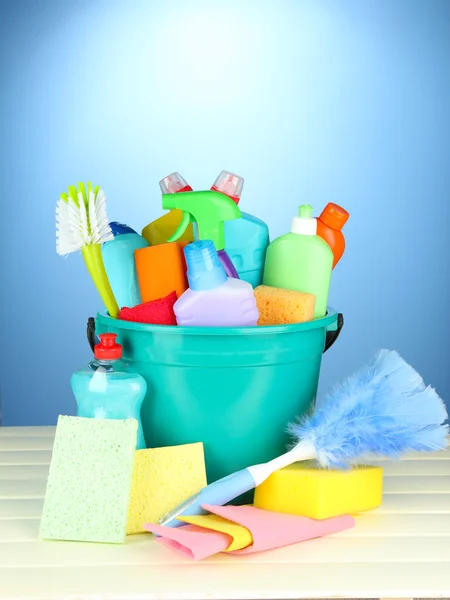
(324,322)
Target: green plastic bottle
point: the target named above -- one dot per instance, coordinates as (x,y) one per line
(301,261)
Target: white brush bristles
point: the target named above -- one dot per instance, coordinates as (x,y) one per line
(78,226)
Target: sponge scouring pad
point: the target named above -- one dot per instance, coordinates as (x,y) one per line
(88,488)
(280,307)
(302,489)
(162,478)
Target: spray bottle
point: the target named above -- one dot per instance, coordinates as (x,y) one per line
(246,238)
(209,210)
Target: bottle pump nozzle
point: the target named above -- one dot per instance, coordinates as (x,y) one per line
(305,223)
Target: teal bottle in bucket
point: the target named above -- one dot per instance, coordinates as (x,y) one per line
(234,389)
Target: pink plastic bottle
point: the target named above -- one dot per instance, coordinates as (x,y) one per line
(213,299)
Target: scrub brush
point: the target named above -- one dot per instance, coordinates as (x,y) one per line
(384,409)
(82,224)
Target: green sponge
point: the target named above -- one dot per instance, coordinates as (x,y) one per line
(88,488)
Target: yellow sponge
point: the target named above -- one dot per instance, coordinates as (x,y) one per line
(162,479)
(279,307)
(301,489)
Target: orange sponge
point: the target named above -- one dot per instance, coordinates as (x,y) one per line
(161,270)
(279,307)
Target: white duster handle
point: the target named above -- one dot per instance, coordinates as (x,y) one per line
(302,451)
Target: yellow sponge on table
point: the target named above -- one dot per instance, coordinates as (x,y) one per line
(302,489)
(162,479)
(279,307)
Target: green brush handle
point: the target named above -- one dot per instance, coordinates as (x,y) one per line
(92,255)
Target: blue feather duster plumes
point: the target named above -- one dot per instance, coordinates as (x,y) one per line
(384,409)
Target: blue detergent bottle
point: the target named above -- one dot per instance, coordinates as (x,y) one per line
(106,389)
(118,257)
(246,239)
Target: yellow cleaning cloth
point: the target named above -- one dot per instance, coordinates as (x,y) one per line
(242,538)
(301,489)
(162,479)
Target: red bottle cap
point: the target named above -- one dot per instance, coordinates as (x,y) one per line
(229,184)
(334,216)
(173,184)
(107,349)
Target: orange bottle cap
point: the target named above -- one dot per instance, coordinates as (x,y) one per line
(334,216)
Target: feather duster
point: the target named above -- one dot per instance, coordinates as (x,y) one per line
(384,409)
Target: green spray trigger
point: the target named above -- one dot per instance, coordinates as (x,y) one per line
(187,218)
(209,209)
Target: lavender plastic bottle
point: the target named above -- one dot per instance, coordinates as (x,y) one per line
(213,299)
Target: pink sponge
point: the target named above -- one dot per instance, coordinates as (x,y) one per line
(155,312)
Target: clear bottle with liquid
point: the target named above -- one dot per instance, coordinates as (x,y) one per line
(106,389)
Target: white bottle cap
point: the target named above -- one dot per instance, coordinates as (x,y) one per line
(304,224)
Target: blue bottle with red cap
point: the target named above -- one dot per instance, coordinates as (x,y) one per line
(106,389)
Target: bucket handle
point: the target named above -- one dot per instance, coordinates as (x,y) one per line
(332,336)
(90,331)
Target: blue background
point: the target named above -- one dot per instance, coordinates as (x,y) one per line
(311,101)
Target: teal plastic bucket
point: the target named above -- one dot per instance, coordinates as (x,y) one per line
(234,389)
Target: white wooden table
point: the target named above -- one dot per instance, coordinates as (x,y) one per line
(401,550)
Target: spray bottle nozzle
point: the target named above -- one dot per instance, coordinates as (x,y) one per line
(229,184)
(173,184)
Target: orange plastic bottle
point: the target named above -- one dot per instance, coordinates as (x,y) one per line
(329,225)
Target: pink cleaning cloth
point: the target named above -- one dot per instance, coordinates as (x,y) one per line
(269,530)
(273,530)
(191,541)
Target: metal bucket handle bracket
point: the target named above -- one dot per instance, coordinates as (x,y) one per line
(333,332)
